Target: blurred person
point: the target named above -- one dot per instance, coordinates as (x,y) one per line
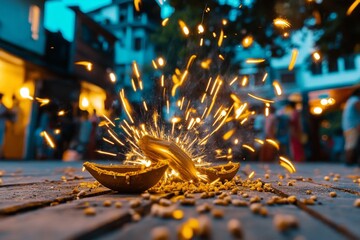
(296,134)
(351,127)
(42,150)
(94,119)
(282,133)
(338,145)
(4,117)
(268,151)
(84,134)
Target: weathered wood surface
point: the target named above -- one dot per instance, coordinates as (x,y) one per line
(41,200)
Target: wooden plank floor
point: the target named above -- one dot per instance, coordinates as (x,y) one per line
(47,200)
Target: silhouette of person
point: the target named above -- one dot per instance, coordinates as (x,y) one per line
(351,127)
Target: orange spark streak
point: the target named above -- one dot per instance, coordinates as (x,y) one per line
(107,119)
(248,147)
(260,99)
(281,22)
(191,60)
(252,174)
(255,60)
(106,153)
(108,141)
(287,164)
(273,142)
(136,69)
(115,138)
(164,22)
(265,76)
(294,54)
(184,28)
(126,105)
(352,7)
(221,37)
(145,106)
(133,85)
(234,80)
(48,139)
(277,87)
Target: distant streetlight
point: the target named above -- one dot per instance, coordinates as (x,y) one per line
(112,77)
(316,56)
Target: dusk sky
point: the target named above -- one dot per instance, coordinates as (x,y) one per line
(59,18)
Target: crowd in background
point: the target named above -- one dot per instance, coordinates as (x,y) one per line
(78,136)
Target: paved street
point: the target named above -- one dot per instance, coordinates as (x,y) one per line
(48,200)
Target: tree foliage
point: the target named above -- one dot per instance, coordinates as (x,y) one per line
(336,32)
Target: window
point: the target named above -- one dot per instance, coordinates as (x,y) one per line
(288,77)
(332,64)
(122,15)
(316,68)
(137,44)
(349,62)
(34,20)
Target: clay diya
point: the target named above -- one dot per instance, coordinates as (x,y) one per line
(127,178)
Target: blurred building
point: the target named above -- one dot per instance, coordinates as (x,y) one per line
(132,29)
(36,65)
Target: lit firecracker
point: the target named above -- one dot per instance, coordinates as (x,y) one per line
(179,147)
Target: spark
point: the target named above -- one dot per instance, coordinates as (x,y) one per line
(273,142)
(264,78)
(252,174)
(136,69)
(201,29)
(233,81)
(112,77)
(191,60)
(255,60)
(133,85)
(201,42)
(61,113)
(126,105)
(161,61)
(162,81)
(48,139)
(87,64)
(145,106)
(294,54)
(42,101)
(243,121)
(224,22)
(260,99)
(221,57)
(137,5)
(107,119)
(281,22)
(277,87)
(352,7)
(247,41)
(206,64)
(259,141)
(248,147)
(154,64)
(221,37)
(107,153)
(115,138)
(184,28)
(244,81)
(267,111)
(316,56)
(164,22)
(108,141)
(287,164)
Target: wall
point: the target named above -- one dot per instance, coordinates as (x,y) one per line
(16,28)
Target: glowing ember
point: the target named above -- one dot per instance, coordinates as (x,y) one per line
(281,22)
